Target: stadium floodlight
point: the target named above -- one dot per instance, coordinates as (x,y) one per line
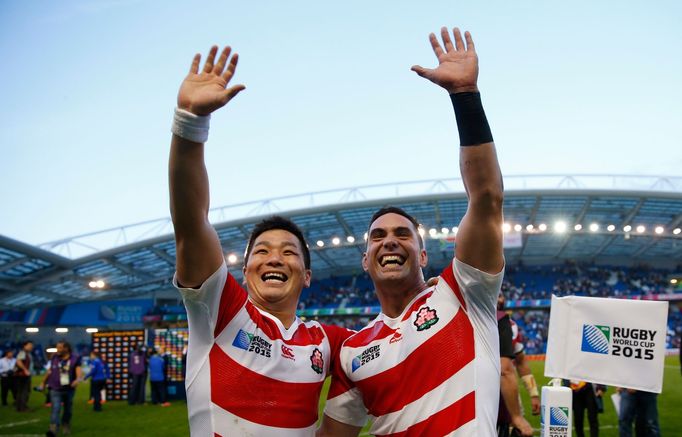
(336,241)
(610,228)
(232,258)
(506,227)
(560,227)
(51,350)
(518,227)
(91,330)
(445,231)
(433,232)
(320,243)
(92,284)
(529,228)
(542,227)
(455,229)
(641,229)
(594,227)
(672,281)
(350,239)
(627,228)
(61,330)
(578,227)
(677,231)
(659,230)
(100,284)
(32,329)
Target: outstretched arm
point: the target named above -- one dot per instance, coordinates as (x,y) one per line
(523,369)
(510,394)
(199,253)
(479,239)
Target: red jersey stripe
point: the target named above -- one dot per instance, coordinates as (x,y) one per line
(231,301)
(444,421)
(449,350)
(303,336)
(378,331)
(415,306)
(285,404)
(449,275)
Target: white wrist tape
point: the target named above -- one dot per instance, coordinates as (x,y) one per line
(190,126)
(531,386)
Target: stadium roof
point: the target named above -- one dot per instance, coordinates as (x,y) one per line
(138,260)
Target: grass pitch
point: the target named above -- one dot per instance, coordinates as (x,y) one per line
(119,419)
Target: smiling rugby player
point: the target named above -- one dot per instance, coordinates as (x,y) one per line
(253,367)
(429,364)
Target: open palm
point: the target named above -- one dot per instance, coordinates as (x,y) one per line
(457,69)
(203,92)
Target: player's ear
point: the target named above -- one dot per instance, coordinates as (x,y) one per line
(307,278)
(423,258)
(365,263)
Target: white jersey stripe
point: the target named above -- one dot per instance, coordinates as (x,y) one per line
(275,365)
(224,420)
(454,388)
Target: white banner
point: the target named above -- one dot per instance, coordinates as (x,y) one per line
(616,342)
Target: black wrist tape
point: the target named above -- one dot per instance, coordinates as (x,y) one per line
(471,121)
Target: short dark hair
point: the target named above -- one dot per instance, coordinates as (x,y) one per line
(25,343)
(395,210)
(66,345)
(284,224)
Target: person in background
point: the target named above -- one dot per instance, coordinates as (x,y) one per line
(586,397)
(157,379)
(640,407)
(99,372)
(510,420)
(137,368)
(22,375)
(62,377)
(7,363)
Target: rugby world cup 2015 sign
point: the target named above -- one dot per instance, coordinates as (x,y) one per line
(607,341)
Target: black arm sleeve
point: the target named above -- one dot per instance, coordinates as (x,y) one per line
(505,331)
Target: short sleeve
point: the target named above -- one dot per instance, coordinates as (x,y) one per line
(344,400)
(480,288)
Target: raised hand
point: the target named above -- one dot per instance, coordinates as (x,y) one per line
(457,69)
(203,92)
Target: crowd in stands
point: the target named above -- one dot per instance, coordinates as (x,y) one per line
(540,282)
(520,283)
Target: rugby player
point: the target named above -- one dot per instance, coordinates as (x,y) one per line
(253,367)
(429,364)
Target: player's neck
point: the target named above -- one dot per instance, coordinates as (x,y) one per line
(285,315)
(394,296)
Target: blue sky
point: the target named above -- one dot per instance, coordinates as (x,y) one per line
(89,89)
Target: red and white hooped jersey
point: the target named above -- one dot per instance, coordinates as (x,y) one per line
(432,371)
(517,338)
(246,373)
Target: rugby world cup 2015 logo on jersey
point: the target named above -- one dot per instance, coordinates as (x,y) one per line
(619,341)
(252,343)
(558,421)
(365,357)
(425,318)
